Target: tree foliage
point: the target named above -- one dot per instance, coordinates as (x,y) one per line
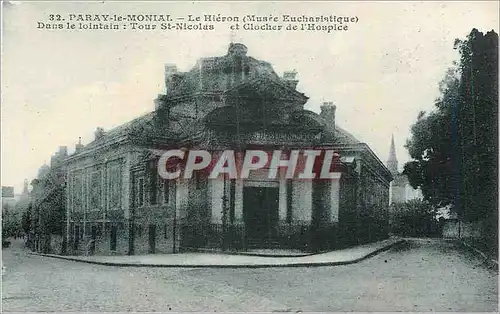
(10,221)
(455,147)
(26,220)
(414,218)
(48,210)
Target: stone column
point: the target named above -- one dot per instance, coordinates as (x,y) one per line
(181,198)
(238,201)
(282,199)
(302,201)
(334,198)
(126,192)
(85,201)
(216,192)
(69,210)
(105,196)
(126,185)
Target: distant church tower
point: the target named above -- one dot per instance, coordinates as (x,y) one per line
(400,189)
(25,189)
(392,161)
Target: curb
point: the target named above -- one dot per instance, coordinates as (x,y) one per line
(492,263)
(194,250)
(311,264)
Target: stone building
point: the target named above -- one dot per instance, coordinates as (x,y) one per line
(401,189)
(118,204)
(8,199)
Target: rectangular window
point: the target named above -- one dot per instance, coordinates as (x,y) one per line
(95,190)
(153,187)
(69,190)
(152,238)
(74,188)
(166,191)
(140,192)
(114,186)
(138,230)
(77,192)
(113,238)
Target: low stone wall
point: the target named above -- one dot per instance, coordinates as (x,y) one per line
(101,245)
(47,244)
(480,234)
(295,236)
(454,229)
(161,240)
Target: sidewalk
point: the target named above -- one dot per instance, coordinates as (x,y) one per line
(193,260)
(489,260)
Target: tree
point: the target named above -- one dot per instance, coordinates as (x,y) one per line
(431,146)
(455,147)
(477,130)
(11,222)
(50,202)
(26,220)
(48,210)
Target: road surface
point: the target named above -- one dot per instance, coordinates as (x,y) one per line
(422,275)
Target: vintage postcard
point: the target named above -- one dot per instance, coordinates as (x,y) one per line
(263,156)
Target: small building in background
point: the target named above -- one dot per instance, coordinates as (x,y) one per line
(8,198)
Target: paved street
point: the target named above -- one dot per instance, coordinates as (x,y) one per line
(423,275)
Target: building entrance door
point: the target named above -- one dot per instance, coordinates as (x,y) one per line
(112,239)
(152,238)
(260,210)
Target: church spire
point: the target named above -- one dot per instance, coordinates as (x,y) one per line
(392,161)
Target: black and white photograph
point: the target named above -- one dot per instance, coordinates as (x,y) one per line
(261,156)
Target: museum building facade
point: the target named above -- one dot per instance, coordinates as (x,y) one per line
(117,203)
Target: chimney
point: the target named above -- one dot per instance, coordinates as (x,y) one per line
(79,146)
(289,78)
(170,69)
(328,113)
(99,133)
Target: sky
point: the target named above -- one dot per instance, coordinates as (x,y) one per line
(59,85)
